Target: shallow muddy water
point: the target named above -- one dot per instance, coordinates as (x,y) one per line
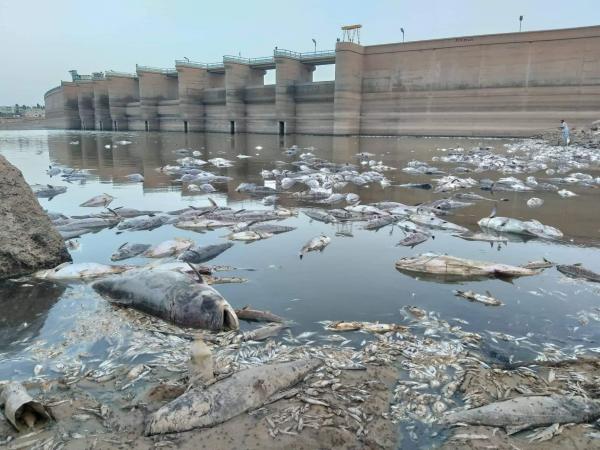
(354,278)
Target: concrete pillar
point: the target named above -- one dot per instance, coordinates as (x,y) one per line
(192,80)
(122,89)
(102,120)
(71,105)
(85,103)
(288,72)
(237,77)
(348,88)
(155,86)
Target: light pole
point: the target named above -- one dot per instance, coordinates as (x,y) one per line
(315,42)
(186,58)
(520,22)
(402,29)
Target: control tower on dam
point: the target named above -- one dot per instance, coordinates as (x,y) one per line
(514,84)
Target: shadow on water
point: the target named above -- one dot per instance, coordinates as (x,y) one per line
(25,308)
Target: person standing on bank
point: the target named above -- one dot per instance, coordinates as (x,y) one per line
(565,132)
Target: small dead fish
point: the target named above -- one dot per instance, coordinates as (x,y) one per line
(487,299)
(99,200)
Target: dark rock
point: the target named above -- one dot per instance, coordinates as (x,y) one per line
(28,240)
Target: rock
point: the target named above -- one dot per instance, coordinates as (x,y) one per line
(28,240)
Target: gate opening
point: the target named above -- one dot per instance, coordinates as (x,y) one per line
(231,127)
(146,125)
(281,128)
(185,126)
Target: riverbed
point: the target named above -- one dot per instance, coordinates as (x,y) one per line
(353,279)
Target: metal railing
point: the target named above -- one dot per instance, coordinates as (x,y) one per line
(200,65)
(139,68)
(114,73)
(249,61)
(306,56)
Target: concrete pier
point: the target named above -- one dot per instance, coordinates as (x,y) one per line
(289,72)
(513,84)
(102,118)
(239,76)
(123,88)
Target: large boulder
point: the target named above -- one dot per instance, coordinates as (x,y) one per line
(28,240)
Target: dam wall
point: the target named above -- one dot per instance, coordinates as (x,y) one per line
(514,84)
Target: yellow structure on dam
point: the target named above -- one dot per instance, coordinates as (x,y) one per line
(513,84)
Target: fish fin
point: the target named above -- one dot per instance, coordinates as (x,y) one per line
(198,274)
(578,264)
(113,211)
(301,255)
(122,246)
(489,294)
(493,213)
(212,202)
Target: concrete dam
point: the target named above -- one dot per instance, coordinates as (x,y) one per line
(514,84)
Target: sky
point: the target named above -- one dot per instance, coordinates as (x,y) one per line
(40,40)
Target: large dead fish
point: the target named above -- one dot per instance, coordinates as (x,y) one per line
(525,227)
(99,200)
(255,315)
(316,243)
(167,248)
(444,265)
(172,296)
(80,271)
(243,391)
(577,271)
(414,239)
(529,411)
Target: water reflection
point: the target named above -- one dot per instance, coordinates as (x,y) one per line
(25,307)
(355,277)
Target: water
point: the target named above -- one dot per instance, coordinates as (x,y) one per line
(353,279)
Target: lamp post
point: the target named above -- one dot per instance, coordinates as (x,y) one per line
(402,29)
(520,22)
(315,42)
(186,58)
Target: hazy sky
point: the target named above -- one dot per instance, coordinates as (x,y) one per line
(40,40)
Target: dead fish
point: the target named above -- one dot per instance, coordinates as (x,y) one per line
(344,326)
(262,333)
(127,250)
(320,216)
(529,411)
(416,312)
(482,237)
(99,200)
(47,190)
(487,299)
(197,255)
(577,271)
(414,239)
(167,248)
(249,236)
(524,227)
(380,222)
(172,296)
(255,315)
(544,264)
(80,271)
(444,265)
(221,401)
(203,224)
(317,243)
